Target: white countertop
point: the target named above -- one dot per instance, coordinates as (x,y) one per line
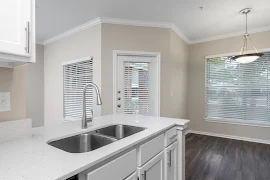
(33,159)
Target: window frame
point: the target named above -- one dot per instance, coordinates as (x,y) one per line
(220,120)
(96,80)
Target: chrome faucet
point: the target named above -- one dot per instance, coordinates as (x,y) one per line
(99,102)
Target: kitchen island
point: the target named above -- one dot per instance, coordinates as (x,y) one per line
(33,159)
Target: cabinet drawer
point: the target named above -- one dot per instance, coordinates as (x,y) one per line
(150,149)
(117,169)
(170,136)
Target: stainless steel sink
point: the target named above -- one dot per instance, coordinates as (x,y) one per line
(82,143)
(95,139)
(120,131)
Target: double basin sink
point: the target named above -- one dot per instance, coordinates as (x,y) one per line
(92,140)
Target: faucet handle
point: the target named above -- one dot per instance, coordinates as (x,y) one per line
(90,119)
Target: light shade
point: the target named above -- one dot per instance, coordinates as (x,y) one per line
(247,58)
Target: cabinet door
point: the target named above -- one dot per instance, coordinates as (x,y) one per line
(15,17)
(171,162)
(153,169)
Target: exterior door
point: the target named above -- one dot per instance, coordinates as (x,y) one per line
(15,16)
(171,162)
(137,85)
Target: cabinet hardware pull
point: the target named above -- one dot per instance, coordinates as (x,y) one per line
(172,137)
(144,175)
(27,31)
(170,159)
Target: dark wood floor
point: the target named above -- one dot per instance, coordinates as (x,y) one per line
(213,158)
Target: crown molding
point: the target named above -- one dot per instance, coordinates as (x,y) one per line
(73,31)
(129,22)
(173,27)
(106,20)
(180,33)
(213,38)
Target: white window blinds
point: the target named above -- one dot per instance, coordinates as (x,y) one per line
(136,88)
(238,92)
(76,76)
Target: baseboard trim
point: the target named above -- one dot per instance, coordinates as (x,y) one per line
(229,136)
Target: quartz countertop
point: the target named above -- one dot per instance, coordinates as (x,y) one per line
(33,159)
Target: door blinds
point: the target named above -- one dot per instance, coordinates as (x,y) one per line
(136,88)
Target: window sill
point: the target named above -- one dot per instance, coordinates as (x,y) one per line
(239,122)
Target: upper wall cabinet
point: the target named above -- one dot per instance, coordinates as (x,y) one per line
(17,32)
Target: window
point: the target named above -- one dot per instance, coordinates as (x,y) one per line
(76,75)
(238,92)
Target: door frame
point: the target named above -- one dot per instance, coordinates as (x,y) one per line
(117,53)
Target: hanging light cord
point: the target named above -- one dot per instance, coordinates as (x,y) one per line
(246,37)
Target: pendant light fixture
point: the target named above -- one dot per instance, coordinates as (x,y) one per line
(245,58)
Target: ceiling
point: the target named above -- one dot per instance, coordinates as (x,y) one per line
(217,18)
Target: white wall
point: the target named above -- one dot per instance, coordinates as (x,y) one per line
(13,81)
(196,86)
(35,88)
(83,44)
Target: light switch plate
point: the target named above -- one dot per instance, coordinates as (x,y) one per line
(4,101)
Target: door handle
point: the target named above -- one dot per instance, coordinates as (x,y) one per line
(27,31)
(119,105)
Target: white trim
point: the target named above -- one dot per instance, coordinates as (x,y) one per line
(77,60)
(168,25)
(117,53)
(230,35)
(238,122)
(229,136)
(106,20)
(73,31)
(180,33)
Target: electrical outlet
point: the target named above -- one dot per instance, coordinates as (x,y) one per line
(4,101)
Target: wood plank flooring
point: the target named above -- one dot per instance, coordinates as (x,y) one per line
(213,158)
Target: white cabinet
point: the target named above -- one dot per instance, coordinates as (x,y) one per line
(118,169)
(153,169)
(170,167)
(17,32)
